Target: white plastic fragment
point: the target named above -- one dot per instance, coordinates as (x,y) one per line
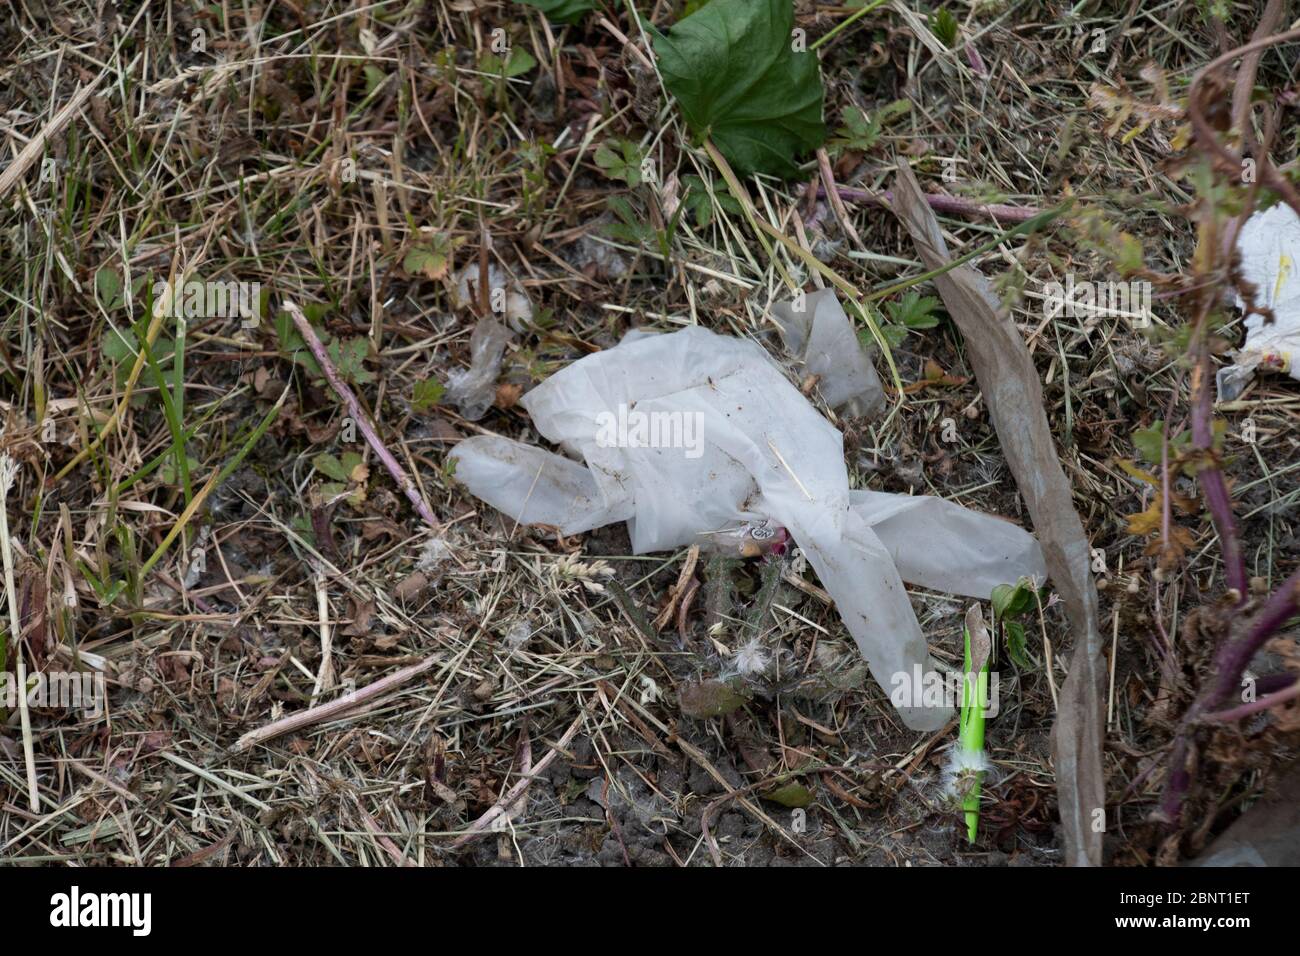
(691,433)
(1269,246)
(474,389)
(817,331)
(505,296)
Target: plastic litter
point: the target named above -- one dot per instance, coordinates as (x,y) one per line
(821,335)
(688,434)
(505,296)
(1269,246)
(474,389)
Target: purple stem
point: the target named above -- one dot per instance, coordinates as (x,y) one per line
(1235,656)
(1229,664)
(1291,692)
(363,421)
(940,203)
(1217,499)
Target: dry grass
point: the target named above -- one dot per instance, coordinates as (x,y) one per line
(231,164)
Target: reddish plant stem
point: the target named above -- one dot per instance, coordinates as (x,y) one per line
(939,203)
(1235,656)
(1211,479)
(1230,663)
(1244,84)
(1291,692)
(358,413)
(1228,160)
(1232,657)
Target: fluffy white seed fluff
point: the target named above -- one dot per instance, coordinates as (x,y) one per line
(751,659)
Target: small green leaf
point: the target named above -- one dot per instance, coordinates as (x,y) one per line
(108,287)
(1015,632)
(894,335)
(333,489)
(861,131)
(620,159)
(167,470)
(348,357)
(709,698)
(351,460)
(944,26)
(427,394)
(293,344)
(1147,441)
(698,202)
(739,81)
(790,794)
(520,62)
(632,229)
(1012,600)
(915,311)
(120,345)
(431,259)
(374,78)
(330,466)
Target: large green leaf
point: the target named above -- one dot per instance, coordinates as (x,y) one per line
(738,81)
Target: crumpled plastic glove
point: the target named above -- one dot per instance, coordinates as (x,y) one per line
(1269,246)
(689,433)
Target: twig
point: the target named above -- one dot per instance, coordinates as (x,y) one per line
(1206,136)
(328,711)
(8,472)
(836,200)
(384,840)
(1213,484)
(363,421)
(1256,706)
(35,146)
(1244,84)
(627,44)
(480,826)
(1230,663)
(953,205)
(1235,656)
(1232,656)
(325,676)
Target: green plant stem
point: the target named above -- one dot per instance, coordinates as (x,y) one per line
(1029,225)
(970,736)
(845,23)
(211,485)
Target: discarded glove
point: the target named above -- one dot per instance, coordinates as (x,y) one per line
(1269,245)
(686,434)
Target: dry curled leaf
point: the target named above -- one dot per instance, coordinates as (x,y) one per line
(1007,378)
